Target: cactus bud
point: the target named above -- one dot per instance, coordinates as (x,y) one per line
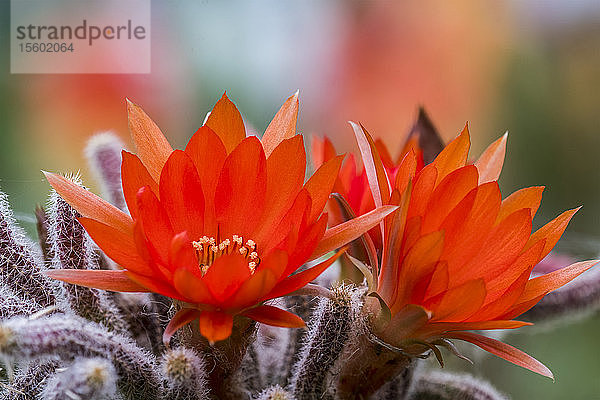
(275,393)
(184,374)
(69,337)
(103,152)
(85,379)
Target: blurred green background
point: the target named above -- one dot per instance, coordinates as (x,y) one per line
(530,67)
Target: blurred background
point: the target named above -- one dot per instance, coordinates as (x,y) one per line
(529,67)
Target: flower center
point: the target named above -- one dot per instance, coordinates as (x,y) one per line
(208,250)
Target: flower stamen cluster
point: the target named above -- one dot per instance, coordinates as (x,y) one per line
(207,251)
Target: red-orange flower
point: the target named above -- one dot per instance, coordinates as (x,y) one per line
(221,226)
(455,256)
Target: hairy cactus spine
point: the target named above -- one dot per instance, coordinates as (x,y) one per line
(73,249)
(324,343)
(444,386)
(84,379)
(21,263)
(184,373)
(69,337)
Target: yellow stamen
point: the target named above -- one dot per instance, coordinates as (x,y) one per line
(207,251)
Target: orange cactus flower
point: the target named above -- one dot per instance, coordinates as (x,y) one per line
(455,256)
(221,226)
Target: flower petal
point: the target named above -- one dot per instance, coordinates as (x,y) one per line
(555,279)
(420,261)
(226,121)
(319,185)
(118,246)
(135,176)
(453,156)
(376,174)
(524,198)
(208,153)
(180,319)
(113,280)
(181,194)
(89,205)
(285,175)
(502,246)
(453,188)
(275,317)
(296,281)
(215,325)
(283,125)
(241,189)
(551,232)
(155,223)
(504,351)
(153,148)
(490,162)
(266,276)
(346,232)
(226,275)
(192,287)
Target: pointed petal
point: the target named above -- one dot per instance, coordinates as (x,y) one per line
(241,189)
(555,279)
(179,320)
(135,176)
(118,247)
(502,246)
(406,171)
(321,150)
(420,261)
(153,148)
(346,232)
(551,232)
(459,303)
(155,223)
(283,125)
(181,194)
(226,121)
(447,195)
(252,291)
(215,325)
(208,153)
(490,163)
(423,186)
(453,156)
(275,317)
(267,275)
(191,287)
(524,198)
(300,279)
(507,299)
(113,280)
(437,328)
(226,275)
(285,175)
(376,174)
(155,284)
(319,185)
(89,205)
(504,351)
(497,286)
